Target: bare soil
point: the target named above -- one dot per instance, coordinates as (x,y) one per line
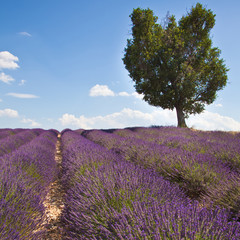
(54,202)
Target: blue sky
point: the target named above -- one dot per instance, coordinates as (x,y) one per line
(61,65)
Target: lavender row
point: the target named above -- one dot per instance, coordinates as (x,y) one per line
(7,132)
(185,138)
(25,175)
(222,145)
(202,176)
(163,133)
(110,198)
(12,142)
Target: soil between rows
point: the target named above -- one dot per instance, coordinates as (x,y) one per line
(54,203)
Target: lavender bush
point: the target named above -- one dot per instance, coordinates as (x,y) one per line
(137,183)
(222,145)
(25,175)
(199,174)
(108,197)
(7,132)
(13,141)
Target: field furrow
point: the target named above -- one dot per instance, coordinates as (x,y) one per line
(119,184)
(109,197)
(202,176)
(25,176)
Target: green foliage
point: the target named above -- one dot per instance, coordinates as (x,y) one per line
(31,170)
(174,65)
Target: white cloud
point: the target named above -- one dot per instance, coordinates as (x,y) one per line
(137,95)
(124,94)
(129,118)
(6,78)
(22,82)
(218,105)
(126,118)
(8,113)
(22,95)
(101,90)
(71,120)
(32,122)
(0,100)
(8,60)
(213,121)
(25,34)
(104,90)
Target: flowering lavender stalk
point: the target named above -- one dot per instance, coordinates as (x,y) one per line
(197,173)
(110,198)
(14,141)
(7,132)
(222,145)
(25,175)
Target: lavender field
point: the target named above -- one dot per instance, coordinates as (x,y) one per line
(136,183)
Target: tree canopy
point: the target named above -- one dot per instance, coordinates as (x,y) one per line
(174,64)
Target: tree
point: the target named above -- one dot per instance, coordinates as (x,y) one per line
(174,64)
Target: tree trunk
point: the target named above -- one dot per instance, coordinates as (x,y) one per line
(181,118)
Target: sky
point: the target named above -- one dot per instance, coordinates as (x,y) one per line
(61,65)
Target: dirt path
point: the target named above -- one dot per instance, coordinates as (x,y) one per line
(54,202)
